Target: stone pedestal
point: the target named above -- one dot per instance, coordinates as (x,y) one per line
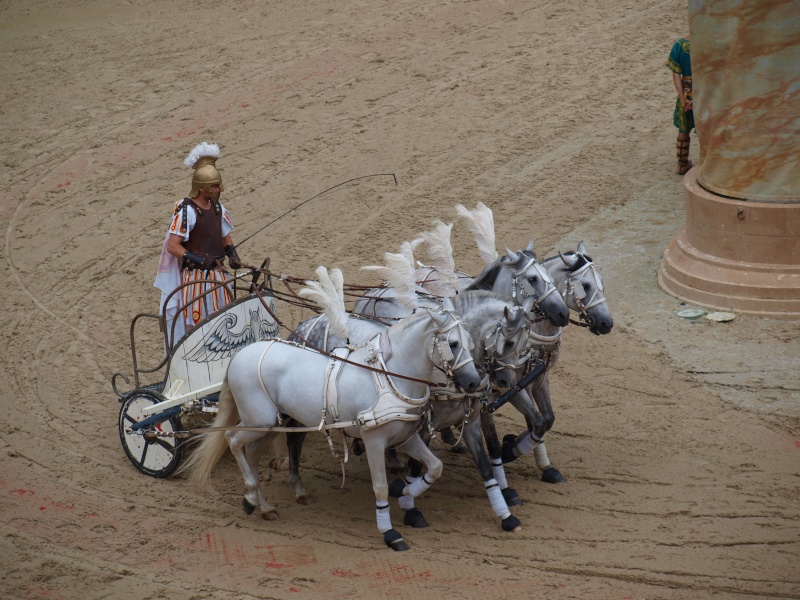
(735,255)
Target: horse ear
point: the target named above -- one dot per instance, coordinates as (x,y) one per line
(581,248)
(527,306)
(512,255)
(530,246)
(570,260)
(448,304)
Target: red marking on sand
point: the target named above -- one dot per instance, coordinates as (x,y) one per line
(44,592)
(244,105)
(293,589)
(178,135)
(47,501)
(286,556)
(400,574)
(797,443)
(344,574)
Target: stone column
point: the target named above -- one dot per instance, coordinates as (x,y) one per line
(739,248)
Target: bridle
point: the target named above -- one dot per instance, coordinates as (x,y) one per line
(577,292)
(494,361)
(440,345)
(521,287)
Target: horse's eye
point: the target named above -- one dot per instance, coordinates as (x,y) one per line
(454,345)
(533,279)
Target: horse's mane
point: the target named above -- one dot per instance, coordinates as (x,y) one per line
(488,277)
(583,259)
(459,300)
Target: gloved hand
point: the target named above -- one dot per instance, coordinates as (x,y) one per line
(233,258)
(200,262)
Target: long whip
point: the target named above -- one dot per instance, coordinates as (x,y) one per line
(314,197)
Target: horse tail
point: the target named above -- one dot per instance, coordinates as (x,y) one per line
(213,444)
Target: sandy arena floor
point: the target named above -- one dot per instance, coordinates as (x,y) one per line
(680,440)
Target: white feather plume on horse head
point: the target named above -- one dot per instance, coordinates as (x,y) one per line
(399,275)
(480,222)
(202,149)
(440,251)
(328,293)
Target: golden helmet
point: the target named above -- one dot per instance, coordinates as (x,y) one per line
(203,159)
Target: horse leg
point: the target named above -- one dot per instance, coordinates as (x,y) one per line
(496,457)
(406,492)
(412,516)
(253,451)
(237,440)
(474,442)
(375,446)
(280,462)
(449,438)
(295,443)
(516,446)
(541,395)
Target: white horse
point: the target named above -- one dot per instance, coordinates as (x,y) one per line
(379,395)
(500,331)
(579,282)
(518,276)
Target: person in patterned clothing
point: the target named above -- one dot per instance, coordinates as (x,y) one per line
(197,242)
(679,62)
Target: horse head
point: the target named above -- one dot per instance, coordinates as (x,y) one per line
(583,290)
(450,350)
(530,280)
(506,347)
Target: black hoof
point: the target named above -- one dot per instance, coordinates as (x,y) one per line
(396,488)
(553,475)
(358,447)
(511,497)
(414,518)
(395,541)
(507,451)
(247,507)
(510,523)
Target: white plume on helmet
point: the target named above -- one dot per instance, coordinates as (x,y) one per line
(199,151)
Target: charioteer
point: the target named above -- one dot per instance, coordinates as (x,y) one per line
(197,242)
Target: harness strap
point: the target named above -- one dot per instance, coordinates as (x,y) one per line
(261,381)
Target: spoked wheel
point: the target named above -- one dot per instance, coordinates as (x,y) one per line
(153,456)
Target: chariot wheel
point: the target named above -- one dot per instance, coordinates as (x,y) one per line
(153,456)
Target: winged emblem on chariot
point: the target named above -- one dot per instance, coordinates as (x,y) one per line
(222,342)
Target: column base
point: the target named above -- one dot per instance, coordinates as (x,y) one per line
(735,255)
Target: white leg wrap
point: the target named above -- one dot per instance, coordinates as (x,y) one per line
(499,473)
(384,519)
(499,505)
(407,502)
(527,444)
(540,454)
(416,487)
